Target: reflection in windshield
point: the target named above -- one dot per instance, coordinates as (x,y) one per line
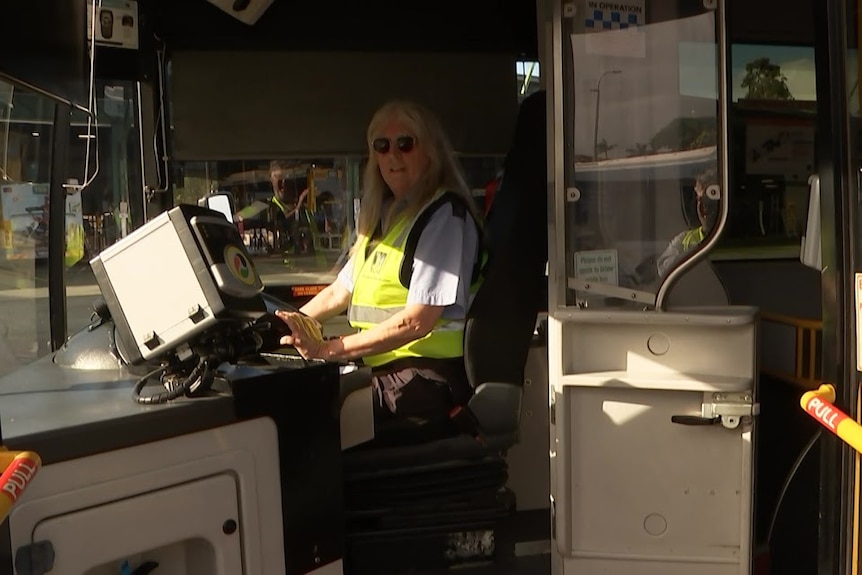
(25,160)
(297,216)
(294,216)
(103,158)
(706,206)
(641,144)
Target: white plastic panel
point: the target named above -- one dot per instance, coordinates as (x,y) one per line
(248,15)
(692,347)
(644,488)
(180,528)
(633,491)
(246,452)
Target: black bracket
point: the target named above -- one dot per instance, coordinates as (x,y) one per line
(34,559)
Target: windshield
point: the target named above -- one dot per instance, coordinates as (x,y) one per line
(296,211)
(642,186)
(25,161)
(103,202)
(297,216)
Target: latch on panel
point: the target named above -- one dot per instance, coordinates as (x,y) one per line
(196,313)
(35,559)
(727,409)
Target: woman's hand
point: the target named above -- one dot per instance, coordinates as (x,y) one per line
(306,334)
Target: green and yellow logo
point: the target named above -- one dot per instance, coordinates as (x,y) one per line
(239,265)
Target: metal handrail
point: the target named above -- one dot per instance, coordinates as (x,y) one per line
(19,468)
(818,404)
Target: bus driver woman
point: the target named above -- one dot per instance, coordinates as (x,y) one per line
(409,310)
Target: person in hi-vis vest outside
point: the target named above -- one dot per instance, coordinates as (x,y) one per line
(287,209)
(409,279)
(707,214)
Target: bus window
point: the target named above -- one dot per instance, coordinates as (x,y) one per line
(104,158)
(643,189)
(26,125)
(104,202)
(529,78)
(773,113)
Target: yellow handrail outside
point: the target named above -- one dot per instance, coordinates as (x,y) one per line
(19,468)
(806,361)
(818,404)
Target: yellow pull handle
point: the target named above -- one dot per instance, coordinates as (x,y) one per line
(19,468)
(818,404)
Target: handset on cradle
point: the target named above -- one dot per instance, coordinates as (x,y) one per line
(272,329)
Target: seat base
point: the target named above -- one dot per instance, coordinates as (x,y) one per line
(458,449)
(434,537)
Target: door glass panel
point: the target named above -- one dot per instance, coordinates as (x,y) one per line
(26,126)
(104,154)
(641,111)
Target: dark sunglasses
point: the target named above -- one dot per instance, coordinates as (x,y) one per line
(403,143)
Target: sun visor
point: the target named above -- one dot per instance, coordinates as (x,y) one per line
(250,105)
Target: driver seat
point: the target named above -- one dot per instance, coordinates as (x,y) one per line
(434,493)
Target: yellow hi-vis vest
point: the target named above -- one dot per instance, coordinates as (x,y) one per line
(282,206)
(692,238)
(379,292)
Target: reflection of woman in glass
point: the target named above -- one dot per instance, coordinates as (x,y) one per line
(707,215)
(106,19)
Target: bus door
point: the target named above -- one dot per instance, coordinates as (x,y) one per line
(653,376)
(839,155)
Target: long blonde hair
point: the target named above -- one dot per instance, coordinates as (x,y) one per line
(443,169)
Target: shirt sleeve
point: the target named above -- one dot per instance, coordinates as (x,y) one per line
(443,262)
(345,276)
(670,255)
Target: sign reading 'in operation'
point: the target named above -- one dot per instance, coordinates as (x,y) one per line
(613,15)
(615,28)
(599,266)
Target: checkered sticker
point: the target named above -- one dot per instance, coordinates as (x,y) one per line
(620,15)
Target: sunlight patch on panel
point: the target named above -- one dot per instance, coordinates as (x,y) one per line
(621,412)
(638,363)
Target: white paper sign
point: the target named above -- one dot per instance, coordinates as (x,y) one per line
(599,266)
